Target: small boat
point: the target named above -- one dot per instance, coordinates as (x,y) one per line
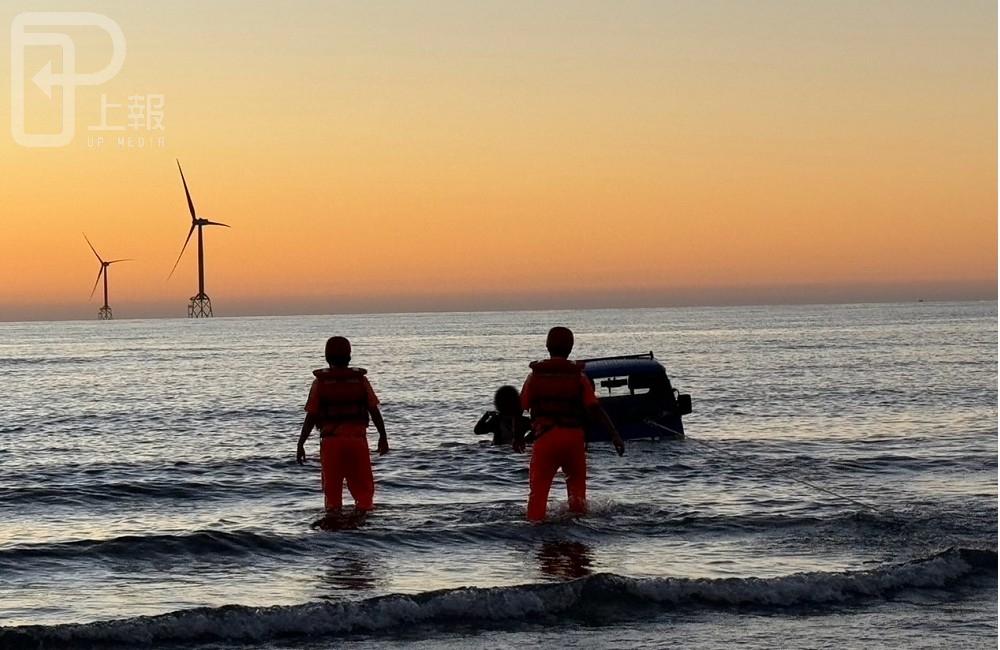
(636,394)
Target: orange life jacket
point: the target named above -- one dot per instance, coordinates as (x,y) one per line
(557,394)
(343,398)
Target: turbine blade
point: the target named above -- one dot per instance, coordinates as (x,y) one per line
(125,259)
(186,193)
(216,223)
(97,281)
(92,248)
(183,248)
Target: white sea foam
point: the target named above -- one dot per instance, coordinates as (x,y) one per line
(491,605)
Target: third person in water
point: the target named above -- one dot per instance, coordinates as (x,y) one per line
(508,421)
(557,394)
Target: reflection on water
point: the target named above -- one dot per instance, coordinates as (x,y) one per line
(338,520)
(348,571)
(565,560)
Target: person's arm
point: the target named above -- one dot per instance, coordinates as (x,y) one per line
(383,441)
(522,433)
(518,443)
(376,415)
(486,424)
(308,424)
(600,416)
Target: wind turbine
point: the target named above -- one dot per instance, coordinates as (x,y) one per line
(104,313)
(200,305)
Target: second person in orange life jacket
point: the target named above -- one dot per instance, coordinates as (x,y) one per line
(340,403)
(561,400)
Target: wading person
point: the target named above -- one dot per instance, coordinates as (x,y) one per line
(561,401)
(341,403)
(507,421)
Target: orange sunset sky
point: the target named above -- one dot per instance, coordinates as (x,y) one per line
(398,156)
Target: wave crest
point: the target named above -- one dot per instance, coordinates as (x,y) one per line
(577,598)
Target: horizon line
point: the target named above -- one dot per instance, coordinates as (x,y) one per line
(474,310)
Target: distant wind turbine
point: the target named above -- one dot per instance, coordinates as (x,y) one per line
(200,305)
(104,313)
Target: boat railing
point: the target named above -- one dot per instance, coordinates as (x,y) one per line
(644,355)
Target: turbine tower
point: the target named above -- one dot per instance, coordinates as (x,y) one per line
(104,313)
(200,305)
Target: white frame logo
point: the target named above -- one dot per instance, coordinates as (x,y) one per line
(67,79)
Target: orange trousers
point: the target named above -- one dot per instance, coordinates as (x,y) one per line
(347,457)
(558,448)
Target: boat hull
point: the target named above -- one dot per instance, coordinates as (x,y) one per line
(666,426)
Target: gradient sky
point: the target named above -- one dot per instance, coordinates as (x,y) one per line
(398,156)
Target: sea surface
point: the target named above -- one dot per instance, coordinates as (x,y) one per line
(149,494)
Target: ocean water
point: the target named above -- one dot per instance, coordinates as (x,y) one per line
(149,494)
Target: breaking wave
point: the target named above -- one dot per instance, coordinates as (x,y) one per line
(603,594)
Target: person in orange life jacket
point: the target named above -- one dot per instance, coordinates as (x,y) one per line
(561,400)
(507,420)
(340,402)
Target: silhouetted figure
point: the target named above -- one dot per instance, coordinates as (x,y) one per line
(507,421)
(561,400)
(341,401)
